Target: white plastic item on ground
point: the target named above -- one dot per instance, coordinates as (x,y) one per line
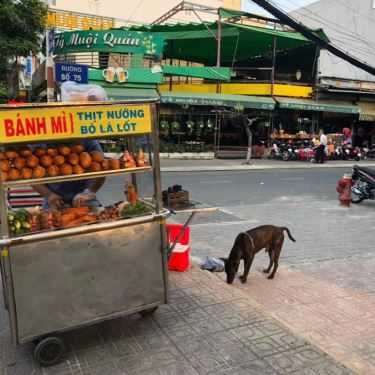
(74,92)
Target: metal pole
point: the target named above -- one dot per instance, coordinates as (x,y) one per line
(218,38)
(158,196)
(156,160)
(273,64)
(49,67)
(218,55)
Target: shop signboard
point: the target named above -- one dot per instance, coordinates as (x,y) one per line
(36,124)
(118,76)
(71,72)
(320,107)
(112,41)
(60,19)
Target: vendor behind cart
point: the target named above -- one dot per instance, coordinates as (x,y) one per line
(81,192)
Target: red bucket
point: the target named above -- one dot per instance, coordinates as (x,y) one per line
(179,260)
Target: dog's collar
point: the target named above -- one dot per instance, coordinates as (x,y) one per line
(250,238)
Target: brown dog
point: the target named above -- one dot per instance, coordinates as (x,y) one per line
(247,244)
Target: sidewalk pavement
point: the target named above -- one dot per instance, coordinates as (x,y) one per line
(209,328)
(183,165)
(324,289)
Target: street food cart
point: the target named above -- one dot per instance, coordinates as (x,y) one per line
(83,265)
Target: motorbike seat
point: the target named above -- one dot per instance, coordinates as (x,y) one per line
(369,171)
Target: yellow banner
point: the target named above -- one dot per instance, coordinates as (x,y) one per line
(73,21)
(64,122)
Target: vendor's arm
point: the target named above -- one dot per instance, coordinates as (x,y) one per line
(54,200)
(89,193)
(96,184)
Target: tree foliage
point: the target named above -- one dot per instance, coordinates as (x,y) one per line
(21,30)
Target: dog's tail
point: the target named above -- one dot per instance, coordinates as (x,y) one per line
(288,232)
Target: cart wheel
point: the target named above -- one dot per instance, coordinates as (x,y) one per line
(148,312)
(49,351)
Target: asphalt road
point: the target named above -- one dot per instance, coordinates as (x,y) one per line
(304,200)
(236,188)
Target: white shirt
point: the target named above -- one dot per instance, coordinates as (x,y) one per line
(323,140)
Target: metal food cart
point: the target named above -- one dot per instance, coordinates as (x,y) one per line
(59,280)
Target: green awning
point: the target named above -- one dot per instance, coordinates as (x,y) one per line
(218,100)
(118,93)
(196,42)
(319,106)
(213,73)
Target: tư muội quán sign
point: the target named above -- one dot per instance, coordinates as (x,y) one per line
(115,40)
(43,123)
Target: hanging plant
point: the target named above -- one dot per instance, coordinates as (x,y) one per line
(209,126)
(239,107)
(164,127)
(190,127)
(175,126)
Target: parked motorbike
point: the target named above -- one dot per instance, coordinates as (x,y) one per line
(276,152)
(290,153)
(363,184)
(351,153)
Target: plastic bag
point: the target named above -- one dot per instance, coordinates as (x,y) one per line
(212,264)
(76,92)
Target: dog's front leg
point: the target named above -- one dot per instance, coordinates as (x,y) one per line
(248,260)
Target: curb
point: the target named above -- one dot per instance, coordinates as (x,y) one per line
(230,168)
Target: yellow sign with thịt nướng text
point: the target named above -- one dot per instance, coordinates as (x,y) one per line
(68,122)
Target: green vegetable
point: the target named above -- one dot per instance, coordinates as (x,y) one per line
(135,210)
(18,221)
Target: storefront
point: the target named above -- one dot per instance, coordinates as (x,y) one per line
(303,118)
(203,108)
(209,122)
(365,134)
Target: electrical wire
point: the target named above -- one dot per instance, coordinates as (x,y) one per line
(324,22)
(356,11)
(328,23)
(350,38)
(140,2)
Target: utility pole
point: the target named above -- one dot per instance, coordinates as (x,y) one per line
(248,124)
(49,64)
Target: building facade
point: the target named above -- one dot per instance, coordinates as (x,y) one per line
(349,26)
(145,11)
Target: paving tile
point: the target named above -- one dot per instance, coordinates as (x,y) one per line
(296,359)
(256,367)
(21,368)
(206,361)
(227,334)
(147,361)
(182,368)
